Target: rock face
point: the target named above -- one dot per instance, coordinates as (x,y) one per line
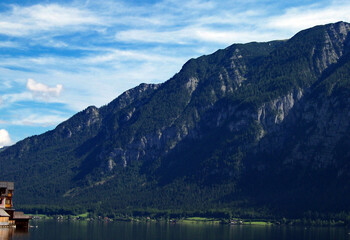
(255,120)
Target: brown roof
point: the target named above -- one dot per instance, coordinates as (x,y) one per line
(8,185)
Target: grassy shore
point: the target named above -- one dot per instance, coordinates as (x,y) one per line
(258,223)
(200,220)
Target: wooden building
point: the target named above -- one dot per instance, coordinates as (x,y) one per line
(6,193)
(8,216)
(21,220)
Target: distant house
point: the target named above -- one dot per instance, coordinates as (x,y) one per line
(8,216)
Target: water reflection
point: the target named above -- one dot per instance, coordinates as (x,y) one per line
(13,233)
(6,233)
(149,231)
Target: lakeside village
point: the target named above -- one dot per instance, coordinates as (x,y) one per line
(193,219)
(8,216)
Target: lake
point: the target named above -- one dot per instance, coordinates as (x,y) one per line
(51,229)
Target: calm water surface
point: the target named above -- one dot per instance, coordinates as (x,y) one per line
(164,231)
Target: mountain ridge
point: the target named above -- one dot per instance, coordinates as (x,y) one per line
(260,123)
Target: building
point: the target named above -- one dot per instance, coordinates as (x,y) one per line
(4,218)
(8,216)
(6,192)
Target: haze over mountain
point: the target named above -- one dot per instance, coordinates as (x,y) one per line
(252,125)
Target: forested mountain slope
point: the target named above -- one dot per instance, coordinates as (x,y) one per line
(256,124)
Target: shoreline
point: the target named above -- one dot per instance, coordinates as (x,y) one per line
(196,220)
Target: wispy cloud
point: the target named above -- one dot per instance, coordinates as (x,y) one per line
(193,35)
(98,49)
(22,21)
(39,120)
(117,55)
(9,44)
(298,18)
(16,97)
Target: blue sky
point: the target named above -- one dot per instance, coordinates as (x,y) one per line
(58,57)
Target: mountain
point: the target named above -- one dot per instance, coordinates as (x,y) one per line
(252,126)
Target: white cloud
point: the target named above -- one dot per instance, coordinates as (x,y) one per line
(43,91)
(5,139)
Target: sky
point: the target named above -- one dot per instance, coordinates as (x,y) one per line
(59,57)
